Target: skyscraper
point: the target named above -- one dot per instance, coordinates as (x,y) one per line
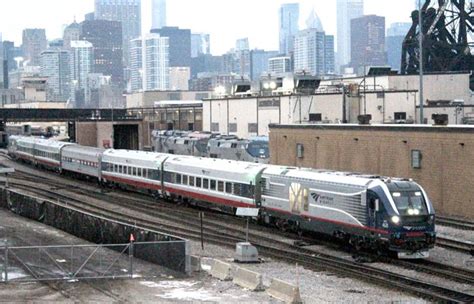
(71,33)
(396,33)
(149,63)
(367,42)
(128,12)
(158,11)
(34,42)
(200,44)
(82,64)
(314,50)
(106,39)
(346,11)
(3,64)
(259,62)
(179,45)
(10,51)
(242,44)
(289,15)
(55,65)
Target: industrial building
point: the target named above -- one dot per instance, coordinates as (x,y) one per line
(388,99)
(437,157)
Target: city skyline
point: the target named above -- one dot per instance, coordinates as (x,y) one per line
(206,17)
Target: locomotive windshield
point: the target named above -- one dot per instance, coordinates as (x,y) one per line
(258,149)
(410,203)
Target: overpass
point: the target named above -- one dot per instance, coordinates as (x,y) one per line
(63,115)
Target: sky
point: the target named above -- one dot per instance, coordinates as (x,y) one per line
(225,20)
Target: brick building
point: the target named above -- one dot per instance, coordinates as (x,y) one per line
(438,158)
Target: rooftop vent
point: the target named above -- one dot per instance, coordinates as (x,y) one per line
(440,119)
(364,119)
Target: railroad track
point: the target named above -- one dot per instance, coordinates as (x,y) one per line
(465,247)
(455,223)
(308,258)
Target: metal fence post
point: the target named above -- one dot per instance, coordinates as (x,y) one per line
(6,264)
(130,257)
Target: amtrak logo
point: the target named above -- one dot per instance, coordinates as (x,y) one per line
(315,196)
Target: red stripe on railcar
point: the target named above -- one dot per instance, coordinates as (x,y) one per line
(139,184)
(320,219)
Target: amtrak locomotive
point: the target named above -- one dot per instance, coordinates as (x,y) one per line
(372,212)
(205,144)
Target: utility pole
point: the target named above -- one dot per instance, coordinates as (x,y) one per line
(420,20)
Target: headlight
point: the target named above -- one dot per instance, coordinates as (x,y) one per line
(395,219)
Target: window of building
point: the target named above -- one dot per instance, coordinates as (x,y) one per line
(198,182)
(232,127)
(205,183)
(315,117)
(215,127)
(185,179)
(299,150)
(191,181)
(213,185)
(220,186)
(252,128)
(400,115)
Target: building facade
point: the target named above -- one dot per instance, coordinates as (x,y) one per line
(259,63)
(396,34)
(314,52)
(289,15)
(150,63)
(106,38)
(367,43)
(179,45)
(82,64)
(158,14)
(279,65)
(436,157)
(179,78)
(128,13)
(200,44)
(55,65)
(10,52)
(34,42)
(71,33)
(346,11)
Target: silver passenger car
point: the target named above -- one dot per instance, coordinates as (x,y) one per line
(82,160)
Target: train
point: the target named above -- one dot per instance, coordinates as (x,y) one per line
(389,215)
(213,145)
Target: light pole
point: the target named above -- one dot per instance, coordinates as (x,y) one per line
(420,36)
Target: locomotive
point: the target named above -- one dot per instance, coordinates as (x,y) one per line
(207,144)
(370,212)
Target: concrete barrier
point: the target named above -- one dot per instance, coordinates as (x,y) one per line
(221,270)
(284,291)
(195,263)
(248,279)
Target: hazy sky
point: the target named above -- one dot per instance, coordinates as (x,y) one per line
(225,20)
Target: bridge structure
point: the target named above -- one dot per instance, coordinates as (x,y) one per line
(63,115)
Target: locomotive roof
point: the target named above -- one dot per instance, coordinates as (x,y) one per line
(348,178)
